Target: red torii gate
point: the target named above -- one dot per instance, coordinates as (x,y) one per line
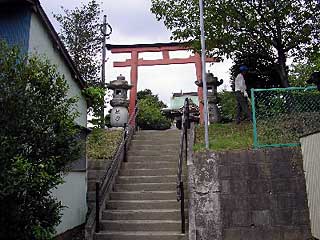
(164,48)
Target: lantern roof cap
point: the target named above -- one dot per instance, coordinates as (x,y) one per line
(119,83)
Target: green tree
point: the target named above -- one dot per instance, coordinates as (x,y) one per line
(95,98)
(227,106)
(279,29)
(147,93)
(81,34)
(301,70)
(150,116)
(38,137)
(262,70)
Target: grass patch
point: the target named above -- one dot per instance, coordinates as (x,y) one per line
(225,136)
(102,144)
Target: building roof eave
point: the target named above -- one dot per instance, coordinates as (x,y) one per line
(37,8)
(59,45)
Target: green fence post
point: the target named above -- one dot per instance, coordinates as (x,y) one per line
(254,121)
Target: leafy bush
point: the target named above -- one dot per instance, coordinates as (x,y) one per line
(227,106)
(38,138)
(150,116)
(102,144)
(147,93)
(95,97)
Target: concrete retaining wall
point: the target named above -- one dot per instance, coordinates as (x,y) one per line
(254,194)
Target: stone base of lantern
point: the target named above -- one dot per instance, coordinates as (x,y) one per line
(214,114)
(119,116)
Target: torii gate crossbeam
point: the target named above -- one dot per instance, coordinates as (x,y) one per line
(164,48)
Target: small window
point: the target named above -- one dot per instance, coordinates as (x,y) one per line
(118,92)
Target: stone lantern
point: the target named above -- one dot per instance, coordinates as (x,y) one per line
(212,85)
(119,113)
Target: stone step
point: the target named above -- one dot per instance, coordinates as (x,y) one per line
(150,165)
(149,133)
(145,187)
(171,130)
(144,195)
(98,164)
(96,174)
(160,157)
(142,204)
(139,195)
(125,187)
(148,172)
(139,136)
(157,138)
(155,147)
(141,235)
(140,225)
(150,152)
(147,214)
(146,179)
(91,185)
(155,141)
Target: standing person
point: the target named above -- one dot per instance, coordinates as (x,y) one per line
(241,95)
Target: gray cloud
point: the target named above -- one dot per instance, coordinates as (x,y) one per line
(130,19)
(133,19)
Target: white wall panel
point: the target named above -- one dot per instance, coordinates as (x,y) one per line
(72,194)
(41,43)
(311,163)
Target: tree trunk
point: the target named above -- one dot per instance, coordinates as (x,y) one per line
(282,58)
(282,68)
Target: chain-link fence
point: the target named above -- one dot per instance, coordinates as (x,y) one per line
(282,115)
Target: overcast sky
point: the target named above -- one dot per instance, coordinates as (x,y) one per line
(133,23)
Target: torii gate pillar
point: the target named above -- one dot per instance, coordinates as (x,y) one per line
(164,48)
(134,81)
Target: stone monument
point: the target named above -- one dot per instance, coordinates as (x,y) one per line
(212,85)
(119,113)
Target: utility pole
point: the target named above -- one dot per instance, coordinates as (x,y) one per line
(204,82)
(106,31)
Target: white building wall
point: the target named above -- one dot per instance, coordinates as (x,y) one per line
(73,197)
(73,192)
(41,43)
(310,146)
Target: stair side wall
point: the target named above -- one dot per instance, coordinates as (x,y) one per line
(250,194)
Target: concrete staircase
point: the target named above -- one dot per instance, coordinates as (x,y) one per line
(143,204)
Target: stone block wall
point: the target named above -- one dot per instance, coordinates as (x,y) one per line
(258,194)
